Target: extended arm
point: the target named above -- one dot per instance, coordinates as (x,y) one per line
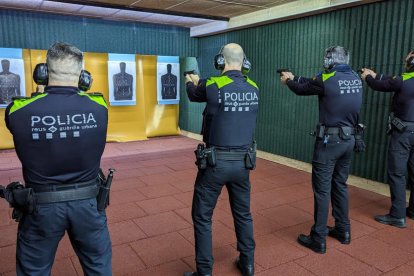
(380,82)
(384,85)
(306,87)
(196,89)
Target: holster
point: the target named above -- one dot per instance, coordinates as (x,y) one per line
(21,199)
(211,156)
(102,199)
(201,160)
(250,157)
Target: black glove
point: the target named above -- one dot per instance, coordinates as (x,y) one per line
(359,138)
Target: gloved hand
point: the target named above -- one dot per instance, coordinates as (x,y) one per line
(359,138)
(359,145)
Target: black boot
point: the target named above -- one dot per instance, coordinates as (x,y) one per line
(194,274)
(390,220)
(342,237)
(309,242)
(245,269)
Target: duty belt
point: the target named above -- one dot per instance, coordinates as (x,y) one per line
(336,130)
(231,155)
(64,192)
(409,126)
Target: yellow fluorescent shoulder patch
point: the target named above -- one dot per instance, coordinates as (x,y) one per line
(20,103)
(326,77)
(407,76)
(99,99)
(219,81)
(252,83)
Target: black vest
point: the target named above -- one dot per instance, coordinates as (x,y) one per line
(59,135)
(231,111)
(403,100)
(342,100)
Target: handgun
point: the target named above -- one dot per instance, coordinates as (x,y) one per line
(191,72)
(280,71)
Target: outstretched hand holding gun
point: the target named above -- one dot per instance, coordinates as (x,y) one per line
(285,75)
(191,76)
(365,72)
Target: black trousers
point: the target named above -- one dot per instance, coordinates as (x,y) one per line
(330,169)
(39,235)
(209,183)
(400,157)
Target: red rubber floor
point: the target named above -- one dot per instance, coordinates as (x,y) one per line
(150,222)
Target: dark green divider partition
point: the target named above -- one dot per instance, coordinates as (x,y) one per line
(378,35)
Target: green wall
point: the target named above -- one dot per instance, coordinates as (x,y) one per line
(36,30)
(378,35)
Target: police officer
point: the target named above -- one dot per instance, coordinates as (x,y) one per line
(228,128)
(339,91)
(401,145)
(59,137)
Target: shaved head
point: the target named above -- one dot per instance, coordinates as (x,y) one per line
(233,54)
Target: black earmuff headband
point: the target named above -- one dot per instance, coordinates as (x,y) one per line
(220,62)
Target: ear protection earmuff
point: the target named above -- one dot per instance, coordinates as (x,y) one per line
(328,61)
(409,65)
(41,77)
(220,62)
(85,80)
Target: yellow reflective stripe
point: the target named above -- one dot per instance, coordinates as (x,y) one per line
(209,82)
(407,76)
(98,99)
(326,77)
(20,103)
(220,81)
(252,83)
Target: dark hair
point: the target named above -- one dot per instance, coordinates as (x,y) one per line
(61,50)
(64,61)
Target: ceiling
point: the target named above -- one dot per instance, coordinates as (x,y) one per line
(223,8)
(202,16)
(186,13)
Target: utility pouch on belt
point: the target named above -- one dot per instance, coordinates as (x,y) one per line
(201,160)
(102,198)
(398,124)
(211,156)
(250,158)
(345,133)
